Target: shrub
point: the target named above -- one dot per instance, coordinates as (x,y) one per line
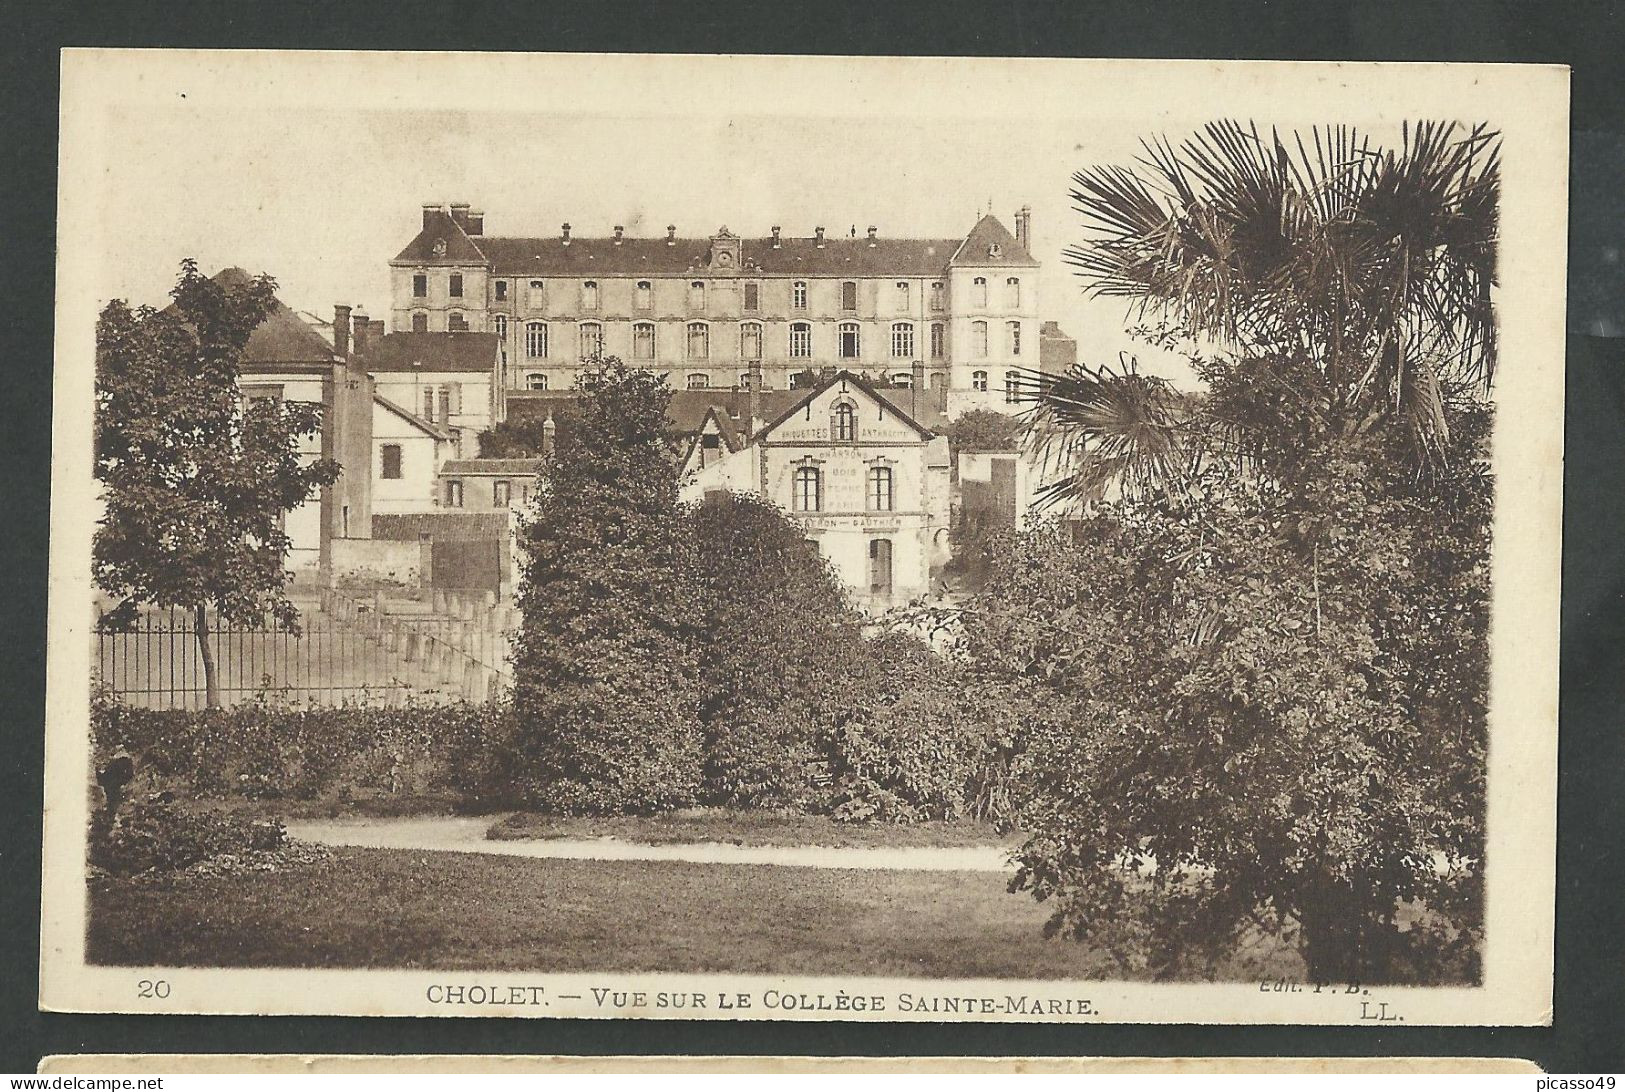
(161,836)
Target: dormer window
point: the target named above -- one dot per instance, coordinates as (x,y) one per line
(994,250)
(439,248)
(844,423)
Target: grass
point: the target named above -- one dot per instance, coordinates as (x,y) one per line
(749,828)
(456,911)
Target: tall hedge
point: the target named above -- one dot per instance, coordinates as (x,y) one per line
(775,663)
(606,681)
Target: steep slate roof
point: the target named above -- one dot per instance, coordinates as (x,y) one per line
(989,232)
(427,426)
(282,339)
(460,249)
(838,257)
(491,466)
(440,351)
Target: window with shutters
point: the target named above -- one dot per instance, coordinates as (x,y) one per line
(699,341)
(798,296)
(592,340)
(850,343)
(536,339)
(880,491)
(753,296)
(939,338)
(750,341)
(392,461)
(978,292)
(1013,332)
(800,339)
(643,341)
(978,339)
(849,295)
(902,340)
(454,286)
(643,296)
(808,495)
(844,426)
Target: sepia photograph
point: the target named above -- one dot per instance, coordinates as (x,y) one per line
(805,538)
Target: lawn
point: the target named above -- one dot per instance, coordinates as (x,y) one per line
(750,828)
(413,909)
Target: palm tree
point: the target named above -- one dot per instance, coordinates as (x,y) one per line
(1346,287)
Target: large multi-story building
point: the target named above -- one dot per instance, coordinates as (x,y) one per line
(713,311)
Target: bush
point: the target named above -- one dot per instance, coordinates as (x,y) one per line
(161,836)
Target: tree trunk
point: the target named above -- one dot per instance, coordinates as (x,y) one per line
(200,629)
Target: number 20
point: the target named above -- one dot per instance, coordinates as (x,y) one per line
(149,987)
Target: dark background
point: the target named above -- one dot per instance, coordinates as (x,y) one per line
(1587,36)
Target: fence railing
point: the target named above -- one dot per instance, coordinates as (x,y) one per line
(347,649)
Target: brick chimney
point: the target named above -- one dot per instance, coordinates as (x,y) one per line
(1024,227)
(871,235)
(775,236)
(459,213)
(359,329)
(341,329)
(430,211)
(671,234)
(565,228)
(620,232)
(375,330)
(476,222)
(916,389)
(754,400)
(818,234)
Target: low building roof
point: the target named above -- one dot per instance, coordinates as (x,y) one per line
(283,340)
(455,467)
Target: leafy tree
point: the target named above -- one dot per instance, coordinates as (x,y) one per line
(195,482)
(606,676)
(779,647)
(1272,633)
(983,430)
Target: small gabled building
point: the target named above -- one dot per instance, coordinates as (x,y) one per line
(867,482)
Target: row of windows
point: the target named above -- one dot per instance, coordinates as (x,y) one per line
(699,381)
(501,493)
(849,339)
(643,293)
(807,492)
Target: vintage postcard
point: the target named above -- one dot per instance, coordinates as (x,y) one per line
(805,538)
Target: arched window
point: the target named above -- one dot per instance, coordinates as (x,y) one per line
(1012,292)
(592,340)
(643,341)
(808,495)
(698,381)
(644,296)
(456,322)
(844,423)
(978,292)
(902,340)
(939,339)
(1012,386)
(798,295)
(850,344)
(902,296)
(978,381)
(699,341)
(536,340)
(849,295)
(535,381)
(880,491)
(589,295)
(696,296)
(978,339)
(420,322)
(750,341)
(800,339)
(1013,331)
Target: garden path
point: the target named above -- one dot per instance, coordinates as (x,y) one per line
(458,834)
